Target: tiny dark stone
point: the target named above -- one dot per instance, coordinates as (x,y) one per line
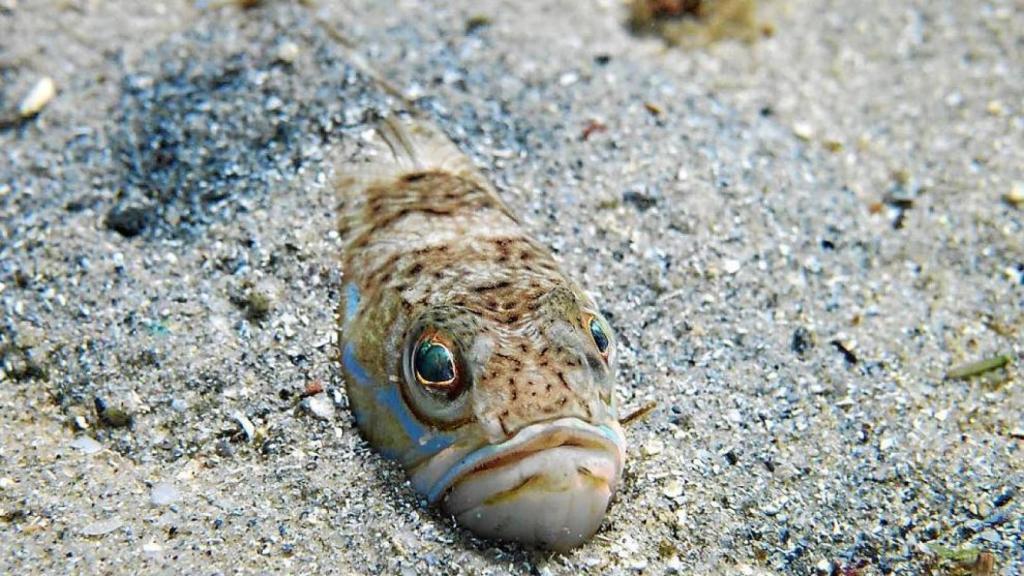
(111,416)
(225,449)
(802,341)
(642,200)
(129,221)
(1004,497)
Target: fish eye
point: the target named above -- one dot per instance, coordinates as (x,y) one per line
(436,372)
(434,364)
(598,333)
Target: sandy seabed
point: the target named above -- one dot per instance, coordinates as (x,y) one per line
(796,241)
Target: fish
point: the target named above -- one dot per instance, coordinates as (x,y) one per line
(468,355)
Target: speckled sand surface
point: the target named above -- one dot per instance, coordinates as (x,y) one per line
(749,213)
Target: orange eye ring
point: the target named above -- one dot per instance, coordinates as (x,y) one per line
(434,364)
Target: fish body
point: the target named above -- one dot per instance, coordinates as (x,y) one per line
(468,355)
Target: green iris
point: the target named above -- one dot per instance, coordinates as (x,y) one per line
(434,363)
(600,338)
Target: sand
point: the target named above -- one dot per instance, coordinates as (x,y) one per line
(796,240)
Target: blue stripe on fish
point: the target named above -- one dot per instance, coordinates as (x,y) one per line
(425,442)
(353,366)
(351,301)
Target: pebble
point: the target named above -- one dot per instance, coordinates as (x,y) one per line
(246,424)
(37,98)
(319,406)
(653,447)
(990,535)
(225,449)
(1016,194)
(101,527)
(803,130)
(86,444)
(568,79)
(152,549)
(287,52)
(731,266)
(1004,497)
(681,519)
(672,489)
(179,405)
(164,494)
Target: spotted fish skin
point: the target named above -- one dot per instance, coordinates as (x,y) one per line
(429,248)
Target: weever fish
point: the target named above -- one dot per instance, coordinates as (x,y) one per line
(468,355)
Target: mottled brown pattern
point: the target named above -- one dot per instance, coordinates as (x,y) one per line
(425,239)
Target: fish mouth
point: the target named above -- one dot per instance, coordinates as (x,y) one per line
(548,485)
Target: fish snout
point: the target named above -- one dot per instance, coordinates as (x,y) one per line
(548,486)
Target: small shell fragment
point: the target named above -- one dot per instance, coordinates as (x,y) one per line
(164,494)
(673,489)
(86,444)
(1016,194)
(102,527)
(803,130)
(287,52)
(37,98)
(245,424)
(653,448)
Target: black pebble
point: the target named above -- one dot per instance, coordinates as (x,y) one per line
(129,221)
(802,341)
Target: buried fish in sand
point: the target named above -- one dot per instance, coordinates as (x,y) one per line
(469,356)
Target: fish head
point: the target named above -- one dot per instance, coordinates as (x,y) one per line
(511,426)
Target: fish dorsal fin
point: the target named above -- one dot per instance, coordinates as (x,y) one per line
(417,145)
(404,147)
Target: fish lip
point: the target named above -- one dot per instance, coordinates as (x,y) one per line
(535,438)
